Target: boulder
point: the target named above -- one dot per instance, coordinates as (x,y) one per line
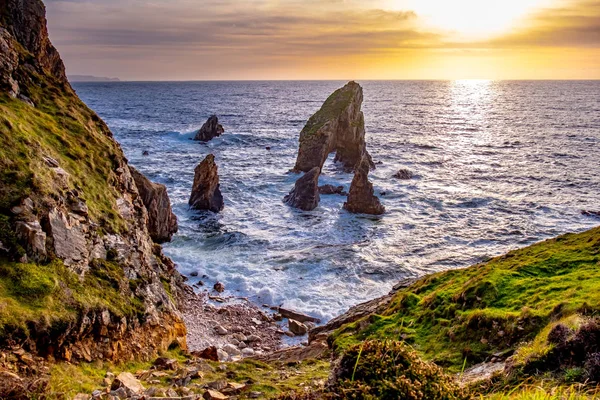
(361,199)
(330,189)
(403,174)
(290,314)
(214,395)
(210,353)
(305,194)
(210,130)
(206,193)
(127,381)
(162,223)
(297,328)
(33,238)
(338,126)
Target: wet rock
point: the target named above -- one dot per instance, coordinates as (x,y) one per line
(589,213)
(297,328)
(210,130)
(214,395)
(162,223)
(128,382)
(338,126)
(206,194)
(219,287)
(403,174)
(330,189)
(305,195)
(361,199)
(296,315)
(145,153)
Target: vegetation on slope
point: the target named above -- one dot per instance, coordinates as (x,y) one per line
(463,317)
(337,102)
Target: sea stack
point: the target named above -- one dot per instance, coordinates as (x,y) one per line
(361,199)
(305,194)
(162,223)
(338,126)
(206,194)
(210,130)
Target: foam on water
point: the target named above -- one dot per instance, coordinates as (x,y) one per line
(497,165)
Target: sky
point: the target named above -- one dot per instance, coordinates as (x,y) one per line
(328,39)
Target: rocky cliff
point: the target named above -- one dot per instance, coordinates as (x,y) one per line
(81,278)
(338,126)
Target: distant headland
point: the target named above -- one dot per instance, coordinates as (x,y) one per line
(91,78)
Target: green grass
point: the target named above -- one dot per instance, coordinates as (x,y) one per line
(490,307)
(45,297)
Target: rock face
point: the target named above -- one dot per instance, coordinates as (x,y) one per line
(305,194)
(206,194)
(361,199)
(77,209)
(162,223)
(338,126)
(210,130)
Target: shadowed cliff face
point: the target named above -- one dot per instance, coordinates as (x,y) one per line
(80,276)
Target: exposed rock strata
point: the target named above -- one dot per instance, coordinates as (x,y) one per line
(338,126)
(210,130)
(162,223)
(361,199)
(77,206)
(305,195)
(206,192)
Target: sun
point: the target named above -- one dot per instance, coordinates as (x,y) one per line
(469,19)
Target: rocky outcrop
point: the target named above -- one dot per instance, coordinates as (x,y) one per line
(210,130)
(330,189)
(305,195)
(361,199)
(403,174)
(338,126)
(162,223)
(206,194)
(73,212)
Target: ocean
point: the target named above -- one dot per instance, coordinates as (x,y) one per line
(497,165)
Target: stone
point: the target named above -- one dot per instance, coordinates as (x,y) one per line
(403,174)
(145,153)
(162,222)
(126,380)
(223,356)
(338,126)
(82,396)
(253,338)
(220,330)
(305,195)
(217,385)
(69,237)
(286,313)
(206,193)
(33,238)
(361,199)
(297,328)
(219,287)
(210,130)
(247,352)
(240,336)
(214,395)
(330,189)
(231,350)
(165,363)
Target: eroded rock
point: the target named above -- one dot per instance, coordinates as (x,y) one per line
(210,130)
(361,199)
(162,223)
(330,189)
(206,193)
(305,195)
(297,328)
(338,126)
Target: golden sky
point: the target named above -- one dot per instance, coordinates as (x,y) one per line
(331,39)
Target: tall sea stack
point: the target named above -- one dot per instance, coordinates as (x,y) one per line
(338,126)
(361,199)
(206,192)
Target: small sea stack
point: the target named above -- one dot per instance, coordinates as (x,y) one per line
(305,195)
(361,199)
(206,193)
(338,126)
(162,223)
(210,130)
